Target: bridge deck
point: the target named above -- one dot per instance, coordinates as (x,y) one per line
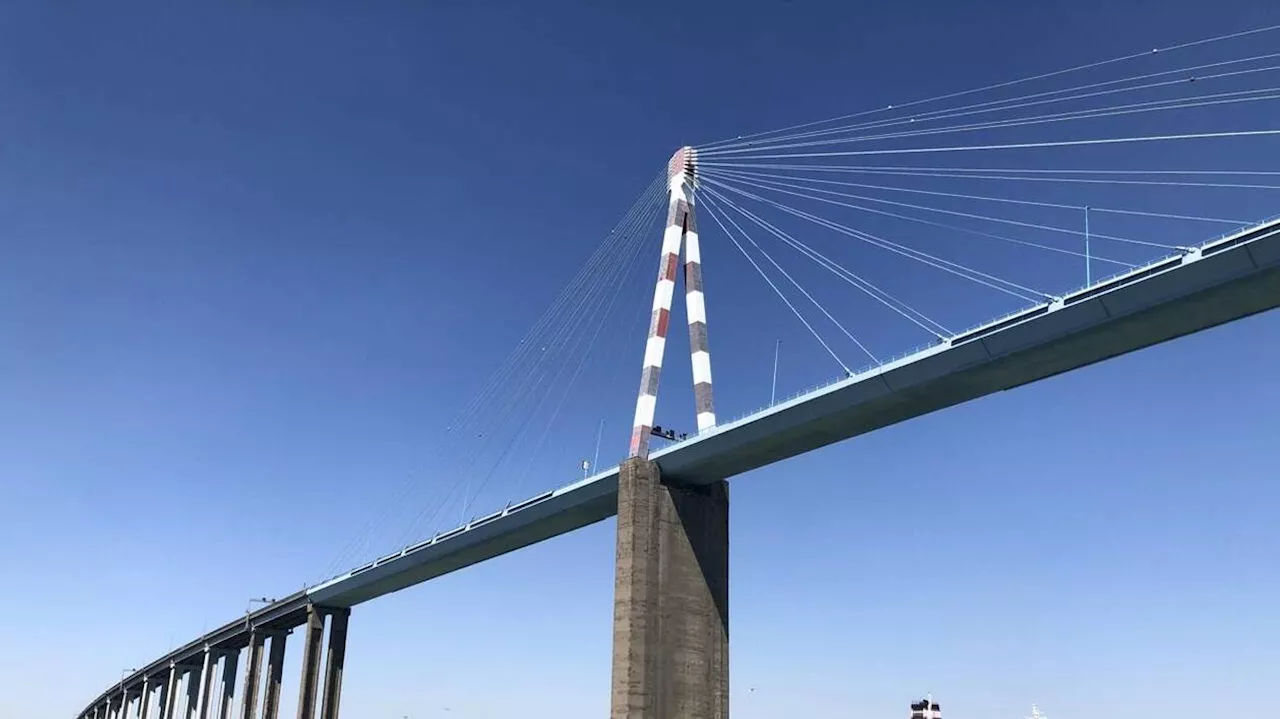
(1223,280)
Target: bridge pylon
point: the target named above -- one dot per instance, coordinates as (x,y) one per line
(681,230)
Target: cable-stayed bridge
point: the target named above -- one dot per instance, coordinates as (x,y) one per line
(1138,178)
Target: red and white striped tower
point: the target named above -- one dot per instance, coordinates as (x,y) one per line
(682,228)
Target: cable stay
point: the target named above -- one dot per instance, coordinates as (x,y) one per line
(986,218)
(585,355)
(1011,240)
(1027,170)
(595,317)
(473,414)
(1006,104)
(715,216)
(535,347)
(1174,103)
(954,268)
(798,286)
(975,174)
(1003,238)
(1005,84)
(567,337)
(1030,145)
(871,290)
(1224,98)
(986,198)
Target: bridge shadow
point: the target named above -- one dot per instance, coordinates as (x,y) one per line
(703,512)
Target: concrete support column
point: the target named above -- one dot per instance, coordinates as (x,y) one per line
(310,663)
(334,662)
(200,703)
(275,672)
(144,701)
(671,598)
(192,683)
(144,698)
(252,675)
(227,694)
(169,695)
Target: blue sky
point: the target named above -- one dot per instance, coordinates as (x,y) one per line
(254,261)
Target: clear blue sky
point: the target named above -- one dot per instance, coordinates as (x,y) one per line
(253,260)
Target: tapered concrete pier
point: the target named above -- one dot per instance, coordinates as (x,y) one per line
(671,598)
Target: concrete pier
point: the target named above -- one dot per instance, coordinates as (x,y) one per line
(192,686)
(227,695)
(334,663)
(252,675)
(144,699)
(275,675)
(204,688)
(671,598)
(169,694)
(314,629)
(129,694)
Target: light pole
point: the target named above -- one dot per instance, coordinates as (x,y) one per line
(773,392)
(124,697)
(1088,263)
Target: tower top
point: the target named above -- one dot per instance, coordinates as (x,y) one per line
(684,162)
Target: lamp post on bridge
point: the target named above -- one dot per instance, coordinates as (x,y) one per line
(1088,262)
(248,607)
(124,693)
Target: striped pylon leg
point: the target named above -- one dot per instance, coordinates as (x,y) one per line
(679,214)
(696,309)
